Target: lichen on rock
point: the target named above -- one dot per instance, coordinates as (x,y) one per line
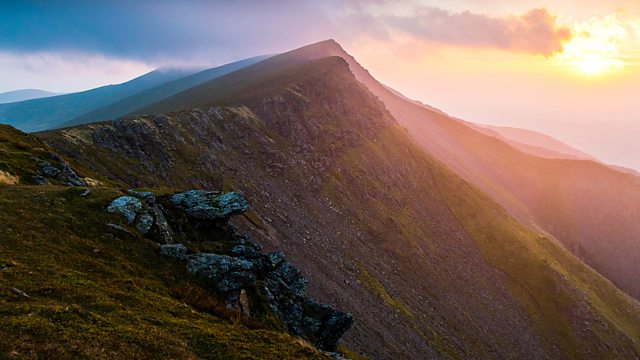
(210,205)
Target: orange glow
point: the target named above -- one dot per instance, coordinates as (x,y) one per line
(597,46)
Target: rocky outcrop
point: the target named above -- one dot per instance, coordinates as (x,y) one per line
(58,169)
(239,270)
(210,205)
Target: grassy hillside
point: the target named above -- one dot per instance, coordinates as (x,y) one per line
(427,264)
(97,292)
(74,285)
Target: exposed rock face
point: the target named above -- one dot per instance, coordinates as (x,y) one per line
(142,210)
(57,169)
(210,205)
(177,251)
(240,269)
(127,206)
(227,275)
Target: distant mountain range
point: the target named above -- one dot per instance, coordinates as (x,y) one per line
(108,102)
(443,239)
(24,94)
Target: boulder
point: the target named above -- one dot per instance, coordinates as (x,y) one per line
(210,205)
(146,196)
(227,275)
(126,206)
(177,251)
(144,222)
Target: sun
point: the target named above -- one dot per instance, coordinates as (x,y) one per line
(595,48)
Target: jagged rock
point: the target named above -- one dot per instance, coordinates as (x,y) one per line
(226,274)
(144,222)
(39,180)
(48,170)
(177,251)
(243,269)
(286,279)
(69,177)
(146,196)
(63,172)
(126,206)
(210,205)
(326,324)
(273,259)
(161,231)
(247,251)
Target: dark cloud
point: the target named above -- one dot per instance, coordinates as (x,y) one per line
(159,29)
(534,32)
(162,31)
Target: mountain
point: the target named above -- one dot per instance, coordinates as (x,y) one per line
(79,281)
(586,205)
(47,113)
(132,103)
(429,265)
(24,94)
(533,142)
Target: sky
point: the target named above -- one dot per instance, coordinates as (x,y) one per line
(568,68)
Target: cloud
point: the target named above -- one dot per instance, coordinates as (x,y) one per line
(160,31)
(535,32)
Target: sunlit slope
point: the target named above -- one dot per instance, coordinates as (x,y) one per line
(591,208)
(427,264)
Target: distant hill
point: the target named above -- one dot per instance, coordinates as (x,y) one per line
(47,113)
(132,103)
(533,142)
(24,94)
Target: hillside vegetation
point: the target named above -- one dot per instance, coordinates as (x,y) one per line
(78,282)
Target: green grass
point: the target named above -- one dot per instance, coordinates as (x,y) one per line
(97,293)
(373,285)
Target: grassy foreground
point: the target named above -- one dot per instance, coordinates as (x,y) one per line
(73,287)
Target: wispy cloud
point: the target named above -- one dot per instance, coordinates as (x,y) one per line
(535,32)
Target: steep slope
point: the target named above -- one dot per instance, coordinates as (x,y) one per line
(589,207)
(24,94)
(132,103)
(428,265)
(78,282)
(47,113)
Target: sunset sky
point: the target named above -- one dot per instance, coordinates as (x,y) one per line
(568,68)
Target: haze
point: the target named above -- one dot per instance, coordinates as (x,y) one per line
(565,68)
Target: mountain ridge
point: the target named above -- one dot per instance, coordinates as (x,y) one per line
(24,94)
(428,265)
